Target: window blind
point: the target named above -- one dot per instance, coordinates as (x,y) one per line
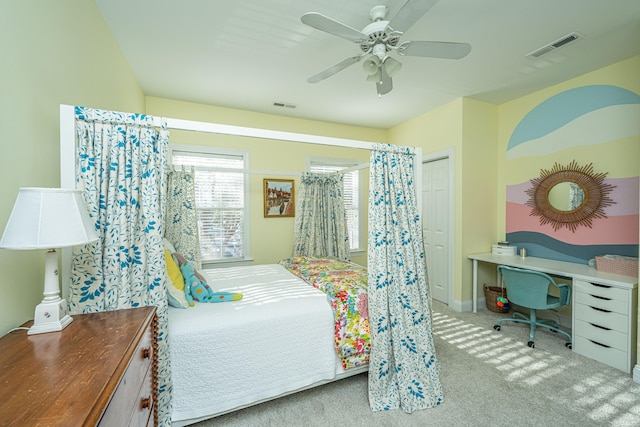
(219,203)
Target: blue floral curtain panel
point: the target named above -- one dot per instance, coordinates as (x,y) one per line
(121,167)
(321,221)
(403,370)
(181,225)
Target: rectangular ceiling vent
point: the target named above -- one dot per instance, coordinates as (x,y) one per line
(284,105)
(563,41)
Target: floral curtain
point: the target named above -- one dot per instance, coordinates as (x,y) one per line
(403,370)
(181,225)
(121,167)
(321,222)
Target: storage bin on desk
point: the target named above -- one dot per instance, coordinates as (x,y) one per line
(625,266)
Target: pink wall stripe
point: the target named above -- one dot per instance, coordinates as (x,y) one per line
(625,195)
(614,230)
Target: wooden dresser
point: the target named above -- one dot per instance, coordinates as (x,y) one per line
(101,370)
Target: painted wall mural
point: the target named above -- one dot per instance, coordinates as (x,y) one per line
(597,124)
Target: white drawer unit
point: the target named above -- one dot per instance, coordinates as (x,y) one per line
(604,322)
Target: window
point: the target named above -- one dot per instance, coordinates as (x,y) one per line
(352,198)
(221,200)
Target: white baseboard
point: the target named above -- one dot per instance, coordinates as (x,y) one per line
(636,374)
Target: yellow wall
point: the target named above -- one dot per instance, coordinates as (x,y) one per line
(468,128)
(271,238)
(625,74)
(479,205)
(53,52)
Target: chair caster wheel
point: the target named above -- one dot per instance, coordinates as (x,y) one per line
(531,344)
(568,345)
(496,327)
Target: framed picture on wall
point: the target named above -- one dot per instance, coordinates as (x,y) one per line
(278,198)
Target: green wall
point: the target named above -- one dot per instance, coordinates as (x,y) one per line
(54,52)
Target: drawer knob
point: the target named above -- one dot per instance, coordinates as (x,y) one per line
(146,353)
(145,403)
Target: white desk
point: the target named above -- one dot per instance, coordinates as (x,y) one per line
(569,270)
(603,307)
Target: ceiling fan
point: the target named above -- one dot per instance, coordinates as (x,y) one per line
(380,38)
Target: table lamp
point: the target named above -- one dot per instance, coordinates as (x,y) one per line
(49,218)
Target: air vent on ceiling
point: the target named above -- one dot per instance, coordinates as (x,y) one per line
(284,105)
(563,41)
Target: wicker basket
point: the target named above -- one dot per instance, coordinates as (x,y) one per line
(626,266)
(491,294)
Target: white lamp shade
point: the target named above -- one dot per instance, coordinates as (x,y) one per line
(391,66)
(48,218)
(371,66)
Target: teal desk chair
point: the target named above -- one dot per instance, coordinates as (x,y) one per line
(530,289)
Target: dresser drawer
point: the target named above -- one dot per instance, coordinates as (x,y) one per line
(610,356)
(143,412)
(607,337)
(603,291)
(606,319)
(617,305)
(134,387)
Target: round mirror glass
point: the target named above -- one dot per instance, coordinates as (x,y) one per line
(566,196)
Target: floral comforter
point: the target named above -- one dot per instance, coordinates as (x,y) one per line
(345,284)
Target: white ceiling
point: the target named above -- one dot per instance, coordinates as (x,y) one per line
(249,54)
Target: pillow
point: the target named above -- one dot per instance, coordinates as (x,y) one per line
(175,284)
(167,245)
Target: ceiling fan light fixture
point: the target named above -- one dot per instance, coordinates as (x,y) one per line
(375,77)
(391,66)
(371,66)
(380,38)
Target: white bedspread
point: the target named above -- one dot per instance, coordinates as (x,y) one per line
(278,338)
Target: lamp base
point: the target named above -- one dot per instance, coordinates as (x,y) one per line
(50,316)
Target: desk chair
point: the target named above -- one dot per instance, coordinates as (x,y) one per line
(530,289)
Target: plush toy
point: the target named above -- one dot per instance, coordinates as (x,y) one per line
(198,290)
(502,302)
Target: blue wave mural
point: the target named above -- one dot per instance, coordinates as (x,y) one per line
(543,246)
(567,106)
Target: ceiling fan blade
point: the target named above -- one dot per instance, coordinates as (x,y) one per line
(385,84)
(445,50)
(334,69)
(410,13)
(331,26)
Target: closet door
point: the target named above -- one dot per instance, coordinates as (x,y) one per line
(435,223)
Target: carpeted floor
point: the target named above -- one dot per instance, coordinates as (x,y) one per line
(489,378)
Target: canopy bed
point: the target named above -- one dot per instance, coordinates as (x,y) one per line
(403,371)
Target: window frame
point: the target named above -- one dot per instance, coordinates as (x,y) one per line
(209,151)
(347,163)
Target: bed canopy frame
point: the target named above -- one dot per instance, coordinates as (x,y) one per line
(68,159)
(68,152)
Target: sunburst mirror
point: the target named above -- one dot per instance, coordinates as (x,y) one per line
(569,196)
